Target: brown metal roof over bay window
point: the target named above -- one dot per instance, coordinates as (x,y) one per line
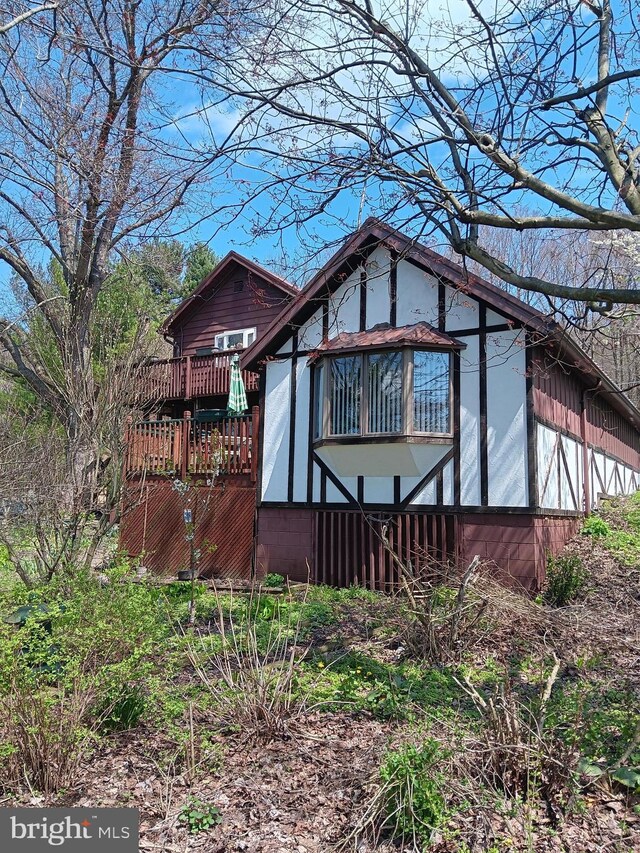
(385,336)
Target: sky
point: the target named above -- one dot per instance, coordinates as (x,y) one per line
(286,251)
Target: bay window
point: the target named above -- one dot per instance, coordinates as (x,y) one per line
(403,392)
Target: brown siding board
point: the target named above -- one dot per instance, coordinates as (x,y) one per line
(257,306)
(557,399)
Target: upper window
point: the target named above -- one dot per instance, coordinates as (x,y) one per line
(236,339)
(395,392)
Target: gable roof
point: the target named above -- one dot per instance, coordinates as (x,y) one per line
(374,233)
(216,276)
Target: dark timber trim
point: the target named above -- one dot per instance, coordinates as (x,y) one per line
(428,477)
(363,299)
(328,474)
(393,288)
(262,384)
(496,327)
(360,482)
(456,428)
(312,394)
(532,449)
(447,509)
(484,449)
(396,490)
(442,307)
(325,320)
(293,394)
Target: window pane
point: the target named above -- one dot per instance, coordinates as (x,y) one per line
(345,395)
(385,392)
(318,400)
(431,391)
(235,340)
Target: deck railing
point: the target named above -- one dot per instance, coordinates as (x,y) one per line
(188,377)
(186,446)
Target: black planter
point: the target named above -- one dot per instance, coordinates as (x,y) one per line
(187,575)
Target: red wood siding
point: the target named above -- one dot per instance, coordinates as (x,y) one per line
(228,307)
(557,399)
(153,527)
(349,548)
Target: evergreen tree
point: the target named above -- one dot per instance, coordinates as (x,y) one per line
(200,260)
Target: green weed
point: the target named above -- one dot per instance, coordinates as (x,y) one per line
(596,527)
(566,579)
(412,803)
(199,817)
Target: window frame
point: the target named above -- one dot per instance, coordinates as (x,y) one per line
(321,431)
(244,332)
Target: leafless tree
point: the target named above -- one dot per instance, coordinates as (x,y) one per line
(12,15)
(91,159)
(449,122)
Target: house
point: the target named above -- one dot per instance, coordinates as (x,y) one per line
(228,311)
(187,434)
(400,392)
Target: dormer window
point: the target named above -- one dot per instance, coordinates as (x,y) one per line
(389,387)
(236,339)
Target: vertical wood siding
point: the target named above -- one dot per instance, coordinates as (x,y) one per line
(349,548)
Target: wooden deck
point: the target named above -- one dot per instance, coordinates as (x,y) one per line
(188,377)
(184,446)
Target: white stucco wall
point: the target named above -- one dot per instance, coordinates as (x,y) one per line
(378,463)
(275,458)
(301,447)
(417,300)
(310,333)
(470,424)
(344,306)
(378,294)
(558,492)
(507,420)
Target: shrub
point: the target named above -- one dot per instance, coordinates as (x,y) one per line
(408,803)
(518,751)
(78,666)
(566,579)
(596,527)
(44,736)
(273,579)
(252,677)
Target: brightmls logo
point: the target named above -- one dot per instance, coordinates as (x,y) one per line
(35,830)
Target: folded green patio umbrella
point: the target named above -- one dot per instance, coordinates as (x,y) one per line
(237,404)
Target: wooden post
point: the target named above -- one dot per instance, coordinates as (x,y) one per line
(186,441)
(255,442)
(187,378)
(244,449)
(177,445)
